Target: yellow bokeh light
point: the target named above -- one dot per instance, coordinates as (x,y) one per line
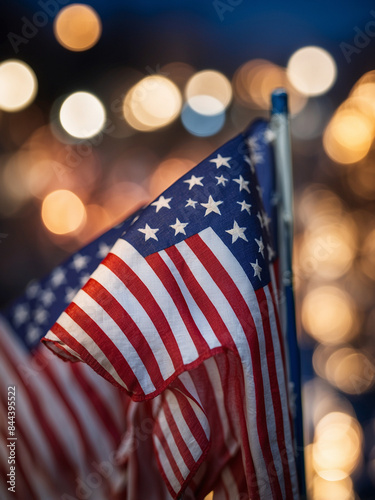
(152,103)
(18,85)
(337,444)
(350,370)
(82,115)
(255,80)
(312,71)
(210,496)
(348,136)
(326,489)
(328,248)
(328,315)
(63,212)
(208,92)
(77,27)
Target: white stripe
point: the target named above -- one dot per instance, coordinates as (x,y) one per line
(197,314)
(283,396)
(168,471)
(145,273)
(120,292)
(82,338)
(63,350)
(169,438)
(120,340)
(189,384)
(93,431)
(182,425)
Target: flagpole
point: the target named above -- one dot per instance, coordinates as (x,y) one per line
(284,181)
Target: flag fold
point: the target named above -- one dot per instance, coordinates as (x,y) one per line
(182,315)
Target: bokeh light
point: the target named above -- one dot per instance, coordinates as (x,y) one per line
(18,85)
(82,115)
(63,212)
(328,315)
(348,136)
(312,71)
(337,445)
(208,92)
(152,103)
(254,81)
(201,125)
(328,248)
(327,489)
(77,27)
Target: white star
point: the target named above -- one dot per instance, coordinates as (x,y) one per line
(179,227)
(237,232)
(212,206)
(32,289)
(70,294)
(220,161)
(40,315)
(221,180)
(161,203)
(190,203)
(245,206)
(32,333)
(269,135)
(242,183)
(58,277)
(80,262)
(260,245)
(149,232)
(103,250)
(266,221)
(21,314)
(47,297)
(271,253)
(194,181)
(252,142)
(257,268)
(256,157)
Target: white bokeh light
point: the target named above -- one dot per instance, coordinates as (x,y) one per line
(82,115)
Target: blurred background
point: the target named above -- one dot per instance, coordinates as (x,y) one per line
(104,104)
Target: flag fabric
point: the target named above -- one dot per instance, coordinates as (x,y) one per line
(182,316)
(68,421)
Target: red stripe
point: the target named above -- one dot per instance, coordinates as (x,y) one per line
(53,439)
(192,421)
(21,476)
(148,302)
(72,412)
(180,442)
(128,328)
(242,311)
(98,405)
(202,301)
(84,354)
(170,284)
(164,443)
(275,391)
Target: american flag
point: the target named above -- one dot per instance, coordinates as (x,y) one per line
(182,315)
(68,421)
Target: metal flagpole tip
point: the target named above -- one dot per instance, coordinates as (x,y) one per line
(279,101)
